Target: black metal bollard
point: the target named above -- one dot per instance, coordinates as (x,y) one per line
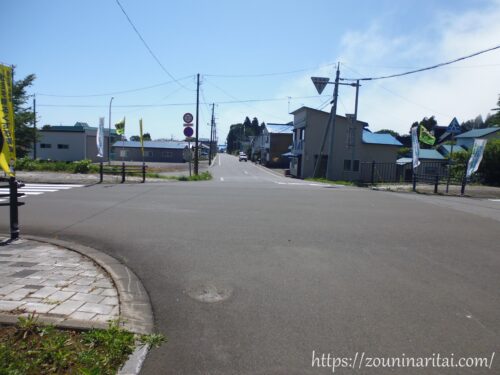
(14,204)
(101,171)
(436,183)
(464,182)
(143,173)
(123,173)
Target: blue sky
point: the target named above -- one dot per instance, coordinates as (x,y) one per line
(88,48)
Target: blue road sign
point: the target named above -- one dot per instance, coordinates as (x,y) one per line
(454,127)
(188,131)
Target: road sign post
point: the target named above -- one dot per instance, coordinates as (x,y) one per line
(188,133)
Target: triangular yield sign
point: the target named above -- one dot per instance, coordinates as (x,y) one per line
(320,83)
(454,126)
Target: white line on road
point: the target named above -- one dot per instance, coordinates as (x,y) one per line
(219,161)
(222,179)
(245,172)
(27,192)
(494,200)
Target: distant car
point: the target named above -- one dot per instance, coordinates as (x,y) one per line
(243,156)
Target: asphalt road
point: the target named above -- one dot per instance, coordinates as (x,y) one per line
(296,267)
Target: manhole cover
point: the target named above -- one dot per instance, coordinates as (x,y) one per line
(209,293)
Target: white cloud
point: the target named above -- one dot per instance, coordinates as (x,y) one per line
(464,89)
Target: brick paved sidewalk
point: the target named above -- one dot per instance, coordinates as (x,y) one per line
(54,282)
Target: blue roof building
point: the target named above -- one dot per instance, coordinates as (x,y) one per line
(466,139)
(154,151)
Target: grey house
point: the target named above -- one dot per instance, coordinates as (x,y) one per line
(154,151)
(353,145)
(71,143)
(274,141)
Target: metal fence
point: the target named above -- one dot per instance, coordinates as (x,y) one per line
(433,173)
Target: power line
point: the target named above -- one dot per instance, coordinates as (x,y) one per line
(424,69)
(266,74)
(148,48)
(177,104)
(113,93)
(399,95)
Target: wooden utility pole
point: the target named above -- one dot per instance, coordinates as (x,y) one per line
(330,161)
(210,151)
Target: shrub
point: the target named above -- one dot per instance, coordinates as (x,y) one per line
(490,165)
(82,166)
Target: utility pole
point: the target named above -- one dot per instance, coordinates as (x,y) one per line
(210,152)
(329,166)
(354,122)
(197,118)
(34,127)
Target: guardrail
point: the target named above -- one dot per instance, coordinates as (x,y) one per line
(13,203)
(123,170)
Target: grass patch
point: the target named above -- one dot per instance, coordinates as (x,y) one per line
(200,177)
(326,181)
(33,348)
(81,166)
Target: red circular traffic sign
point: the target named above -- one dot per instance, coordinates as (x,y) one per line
(188,117)
(188,131)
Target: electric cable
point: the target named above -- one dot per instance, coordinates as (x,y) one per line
(423,69)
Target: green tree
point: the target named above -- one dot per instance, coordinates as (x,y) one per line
(137,138)
(388,131)
(494,120)
(490,165)
(23,116)
(234,137)
(255,126)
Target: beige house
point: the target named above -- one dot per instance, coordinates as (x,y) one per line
(353,145)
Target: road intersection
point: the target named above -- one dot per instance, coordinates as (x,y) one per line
(251,272)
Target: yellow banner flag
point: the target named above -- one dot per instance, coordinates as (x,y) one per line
(8,150)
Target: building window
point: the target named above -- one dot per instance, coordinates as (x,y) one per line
(355,166)
(62,147)
(45,145)
(123,153)
(166,154)
(347,165)
(148,154)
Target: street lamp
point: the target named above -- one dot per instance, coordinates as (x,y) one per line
(109,132)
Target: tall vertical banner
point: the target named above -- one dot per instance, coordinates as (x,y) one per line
(476,157)
(415,147)
(142,139)
(8,150)
(100,138)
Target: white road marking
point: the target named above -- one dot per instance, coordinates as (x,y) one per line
(222,179)
(219,160)
(245,172)
(37,189)
(494,200)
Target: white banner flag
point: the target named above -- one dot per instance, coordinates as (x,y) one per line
(415,147)
(100,138)
(476,157)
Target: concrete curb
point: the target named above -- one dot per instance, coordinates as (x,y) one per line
(135,307)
